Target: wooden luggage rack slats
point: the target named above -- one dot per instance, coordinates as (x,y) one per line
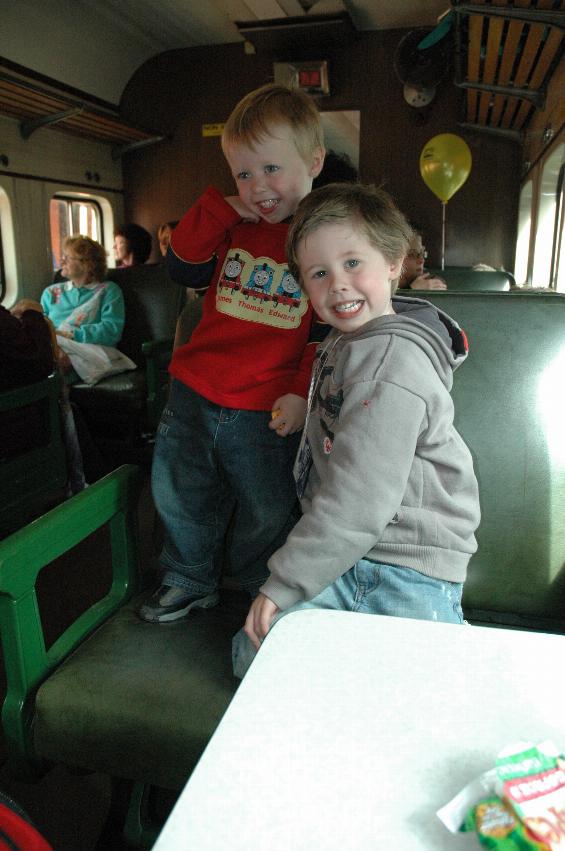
(506,51)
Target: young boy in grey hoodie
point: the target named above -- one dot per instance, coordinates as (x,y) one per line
(389,497)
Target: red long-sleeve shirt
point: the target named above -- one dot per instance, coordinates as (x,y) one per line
(252,344)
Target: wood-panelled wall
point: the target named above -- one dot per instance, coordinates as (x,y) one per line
(179,91)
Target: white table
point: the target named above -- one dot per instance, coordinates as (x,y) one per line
(350,731)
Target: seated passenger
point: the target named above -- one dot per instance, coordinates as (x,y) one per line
(85,307)
(164,233)
(132,245)
(26,352)
(413,276)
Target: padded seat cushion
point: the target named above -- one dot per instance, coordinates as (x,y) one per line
(142,700)
(127,390)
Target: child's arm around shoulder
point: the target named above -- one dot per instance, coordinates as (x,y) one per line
(199,238)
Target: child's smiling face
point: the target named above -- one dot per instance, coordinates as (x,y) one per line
(347,279)
(271,177)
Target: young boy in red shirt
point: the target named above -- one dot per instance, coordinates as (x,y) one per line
(229,432)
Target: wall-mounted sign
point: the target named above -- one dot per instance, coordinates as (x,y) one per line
(311,77)
(212,129)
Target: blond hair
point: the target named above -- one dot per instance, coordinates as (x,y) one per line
(263,109)
(368,207)
(92,254)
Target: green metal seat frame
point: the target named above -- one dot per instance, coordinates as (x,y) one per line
(22,557)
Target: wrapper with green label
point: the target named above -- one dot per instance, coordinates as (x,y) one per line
(517,805)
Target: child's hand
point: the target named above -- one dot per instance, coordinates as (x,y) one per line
(259,619)
(288,414)
(246,214)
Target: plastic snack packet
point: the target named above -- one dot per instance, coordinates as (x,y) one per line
(539,801)
(533,784)
(498,827)
(487,805)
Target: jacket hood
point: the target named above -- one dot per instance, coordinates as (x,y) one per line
(434,331)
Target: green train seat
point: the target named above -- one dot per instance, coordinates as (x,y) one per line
(465,279)
(123,410)
(112,694)
(509,408)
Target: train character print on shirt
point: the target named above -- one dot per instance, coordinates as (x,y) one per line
(288,291)
(260,282)
(329,405)
(231,272)
(258,289)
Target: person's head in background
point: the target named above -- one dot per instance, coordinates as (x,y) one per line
(164,233)
(132,245)
(416,255)
(337,168)
(274,144)
(83,261)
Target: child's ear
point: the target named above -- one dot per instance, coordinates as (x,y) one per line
(317,162)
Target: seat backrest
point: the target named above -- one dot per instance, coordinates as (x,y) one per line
(22,558)
(470,280)
(32,452)
(508,399)
(152,303)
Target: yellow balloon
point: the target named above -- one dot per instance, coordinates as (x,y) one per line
(445,164)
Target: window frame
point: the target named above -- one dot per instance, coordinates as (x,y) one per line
(535,176)
(71,199)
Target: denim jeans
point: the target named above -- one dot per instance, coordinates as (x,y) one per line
(373,588)
(213,465)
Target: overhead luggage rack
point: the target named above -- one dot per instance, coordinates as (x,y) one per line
(37,106)
(512,51)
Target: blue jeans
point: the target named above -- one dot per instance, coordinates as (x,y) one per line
(213,465)
(373,588)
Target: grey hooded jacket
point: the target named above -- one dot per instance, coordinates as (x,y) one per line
(382,472)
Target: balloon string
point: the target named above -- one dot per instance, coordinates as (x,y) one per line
(443,206)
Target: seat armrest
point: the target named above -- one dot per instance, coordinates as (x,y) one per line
(29,393)
(155,348)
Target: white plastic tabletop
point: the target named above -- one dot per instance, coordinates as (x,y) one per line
(350,731)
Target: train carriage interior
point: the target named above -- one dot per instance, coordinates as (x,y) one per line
(113,112)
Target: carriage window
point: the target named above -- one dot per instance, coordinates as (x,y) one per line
(550,220)
(70,217)
(2,272)
(558,256)
(524,230)
(8,276)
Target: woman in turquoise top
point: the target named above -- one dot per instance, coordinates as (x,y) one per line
(85,308)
